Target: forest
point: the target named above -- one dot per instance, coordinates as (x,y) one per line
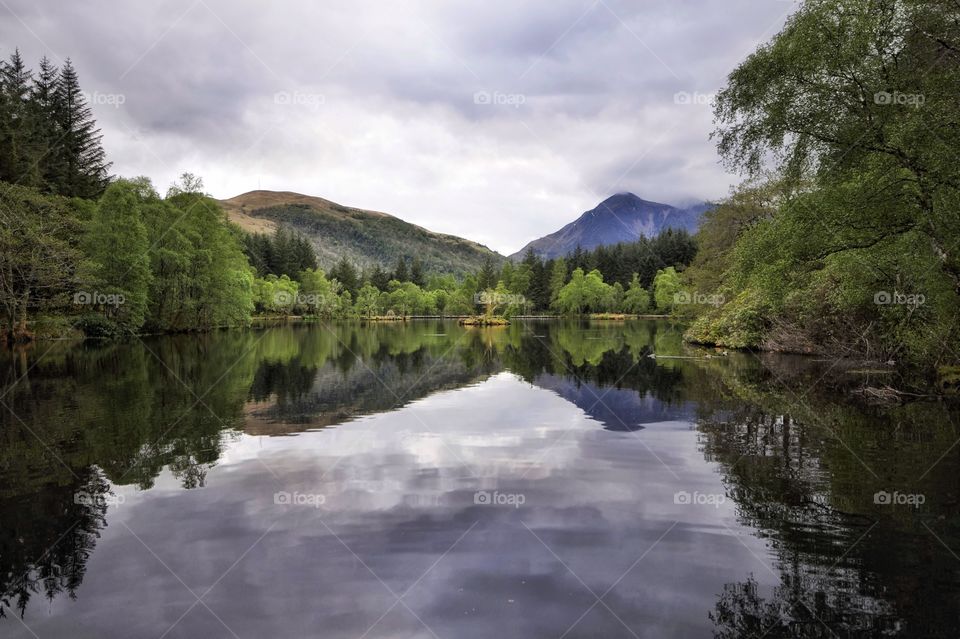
(82,251)
(844,238)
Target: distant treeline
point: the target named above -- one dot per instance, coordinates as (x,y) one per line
(631,277)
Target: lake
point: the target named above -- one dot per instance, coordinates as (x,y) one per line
(421,479)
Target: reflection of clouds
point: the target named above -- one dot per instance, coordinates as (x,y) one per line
(399,490)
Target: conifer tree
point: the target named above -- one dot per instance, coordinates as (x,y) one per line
(43,134)
(79,163)
(14,92)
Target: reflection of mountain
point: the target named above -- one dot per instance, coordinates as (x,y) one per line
(94,415)
(335,396)
(619,409)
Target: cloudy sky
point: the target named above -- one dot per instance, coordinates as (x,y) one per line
(496,120)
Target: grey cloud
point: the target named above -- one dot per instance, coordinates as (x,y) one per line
(584,88)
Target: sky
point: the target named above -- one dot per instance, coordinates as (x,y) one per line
(496,120)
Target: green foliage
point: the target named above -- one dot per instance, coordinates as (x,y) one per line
(368,301)
(666,289)
(286,252)
(279,295)
(48,137)
(117,246)
(218,287)
(584,293)
(854,247)
(741,323)
(320,295)
(345,273)
(558,278)
(39,257)
(636,299)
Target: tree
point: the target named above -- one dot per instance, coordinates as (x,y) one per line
(79,163)
(855,95)
(320,294)
(848,111)
(379,278)
(281,295)
(43,134)
(116,243)
(187,183)
(538,290)
(15,157)
(636,299)
(666,288)
(488,276)
(400,272)
(558,277)
(583,292)
(216,288)
(345,273)
(615,302)
(39,257)
(416,273)
(368,300)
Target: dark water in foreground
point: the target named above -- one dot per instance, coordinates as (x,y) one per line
(422,480)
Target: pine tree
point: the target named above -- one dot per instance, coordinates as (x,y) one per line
(79,163)
(488,275)
(44,136)
(558,278)
(416,273)
(400,273)
(379,278)
(14,92)
(345,273)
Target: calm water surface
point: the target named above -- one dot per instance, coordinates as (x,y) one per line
(424,480)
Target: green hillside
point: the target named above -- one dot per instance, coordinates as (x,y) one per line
(363,237)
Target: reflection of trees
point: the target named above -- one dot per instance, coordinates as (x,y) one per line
(797,609)
(48,535)
(605,355)
(847,567)
(117,409)
(409,361)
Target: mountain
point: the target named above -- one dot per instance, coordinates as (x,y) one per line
(623,217)
(363,237)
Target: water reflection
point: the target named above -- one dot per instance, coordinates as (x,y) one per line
(526,481)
